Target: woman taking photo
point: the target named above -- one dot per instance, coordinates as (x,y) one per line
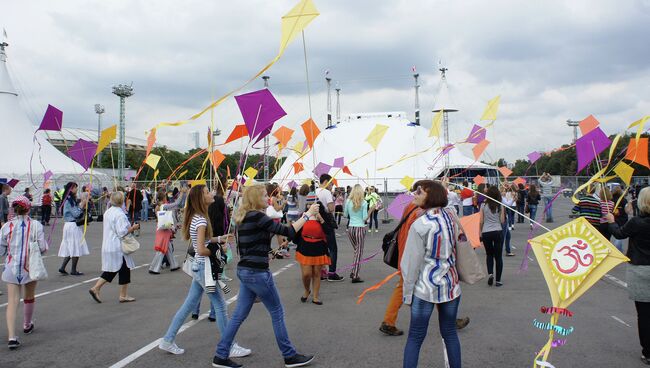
(373,200)
(114,261)
(637,229)
(255,231)
(15,238)
(491,222)
(532,200)
(429,271)
(73,244)
(312,254)
(357,211)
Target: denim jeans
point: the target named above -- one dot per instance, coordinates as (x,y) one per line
(533,211)
(144,215)
(505,234)
(256,283)
(193,299)
(420,314)
(468,210)
(510,215)
(197,310)
(520,208)
(374,217)
(548,205)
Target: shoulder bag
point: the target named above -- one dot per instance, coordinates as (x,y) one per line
(129,244)
(37,271)
(468,265)
(389,244)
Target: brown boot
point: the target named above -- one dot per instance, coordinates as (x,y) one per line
(390,330)
(462,323)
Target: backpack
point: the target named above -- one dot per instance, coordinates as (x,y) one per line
(389,243)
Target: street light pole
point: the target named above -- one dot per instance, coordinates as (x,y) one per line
(266,140)
(99,110)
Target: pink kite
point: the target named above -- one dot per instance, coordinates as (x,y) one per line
(589,146)
(397,206)
(534,156)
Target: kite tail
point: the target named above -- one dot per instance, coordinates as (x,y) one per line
(376,286)
(545,351)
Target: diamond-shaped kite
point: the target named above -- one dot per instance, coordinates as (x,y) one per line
(472,226)
(477,134)
(151,140)
(448,147)
(298,167)
(238,132)
(292,184)
(106,137)
(283,135)
(260,111)
(250,172)
(52,120)
(376,135)
(588,124)
(624,171)
(407,182)
(519,180)
(295,21)
(83,152)
(396,207)
(589,146)
(480,148)
(347,170)
(479,179)
(311,132)
(13,182)
(152,160)
(534,156)
(436,125)
(47,175)
(339,162)
(505,171)
(217,158)
(637,151)
(322,168)
(491,109)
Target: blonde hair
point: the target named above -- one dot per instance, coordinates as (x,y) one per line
(643,201)
(605,194)
(117,199)
(357,197)
(252,200)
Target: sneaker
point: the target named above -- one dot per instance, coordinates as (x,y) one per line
(376,230)
(490,279)
(154,272)
(462,323)
(531,226)
(225,278)
(645,360)
(212,319)
(224,363)
(237,351)
(335,278)
(390,330)
(510,254)
(499,284)
(170,347)
(356,280)
(29,329)
(195,316)
(298,360)
(513,227)
(13,344)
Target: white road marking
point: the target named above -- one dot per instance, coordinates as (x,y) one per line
(620,320)
(150,346)
(615,280)
(530,259)
(69,286)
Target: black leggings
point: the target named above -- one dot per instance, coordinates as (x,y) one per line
(493,242)
(643,323)
(124,273)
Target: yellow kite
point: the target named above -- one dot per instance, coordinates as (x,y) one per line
(624,171)
(106,137)
(250,172)
(152,160)
(407,182)
(376,135)
(491,109)
(436,125)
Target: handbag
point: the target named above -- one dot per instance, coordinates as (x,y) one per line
(389,244)
(189,260)
(165,220)
(84,218)
(37,271)
(468,265)
(129,244)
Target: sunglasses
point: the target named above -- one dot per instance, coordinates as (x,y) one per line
(419,191)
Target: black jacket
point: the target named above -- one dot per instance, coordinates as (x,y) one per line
(638,230)
(218,215)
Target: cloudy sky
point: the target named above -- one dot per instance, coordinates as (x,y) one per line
(549,60)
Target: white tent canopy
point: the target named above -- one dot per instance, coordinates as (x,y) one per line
(381,167)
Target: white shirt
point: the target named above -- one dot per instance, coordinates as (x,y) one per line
(273,213)
(453,199)
(324,196)
(116,226)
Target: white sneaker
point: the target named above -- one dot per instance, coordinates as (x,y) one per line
(237,351)
(225,278)
(170,347)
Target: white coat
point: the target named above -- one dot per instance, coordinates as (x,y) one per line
(116,226)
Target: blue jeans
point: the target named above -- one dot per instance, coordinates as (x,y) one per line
(145,211)
(548,205)
(257,283)
(510,216)
(506,236)
(533,211)
(373,217)
(192,300)
(197,310)
(420,314)
(468,210)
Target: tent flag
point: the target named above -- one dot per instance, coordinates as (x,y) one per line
(589,146)
(436,125)
(397,206)
(491,109)
(339,162)
(217,158)
(238,132)
(641,146)
(505,171)
(588,124)
(83,152)
(298,167)
(478,179)
(376,135)
(480,148)
(534,156)
(624,171)
(260,111)
(152,160)
(106,137)
(477,134)
(52,120)
(322,168)
(47,175)
(250,172)
(295,21)
(407,182)
(283,135)
(151,140)
(311,132)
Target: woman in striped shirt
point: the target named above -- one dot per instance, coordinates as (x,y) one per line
(429,272)
(589,207)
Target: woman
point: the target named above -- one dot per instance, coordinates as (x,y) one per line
(255,231)
(302,198)
(197,229)
(293,210)
(163,241)
(46,207)
(522,193)
(357,212)
(606,207)
(114,261)
(492,220)
(73,244)
(430,276)
(620,215)
(373,200)
(509,199)
(637,229)
(312,254)
(339,200)
(16,274)
(532,200)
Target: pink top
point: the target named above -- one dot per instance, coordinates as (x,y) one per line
(605,208)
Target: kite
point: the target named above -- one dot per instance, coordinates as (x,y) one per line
(505,171)
(151,139)
(436,125)
(588,124)
(250,172)
(347,170)
(292,184)
(448,147)
(217,158)
(47,175)
(480,148)
(198,182)
(152,160)
(519,180)
(589,146)
(298,167)
(238,132)
(407,182)
(283,134)
(477,134)
(311,132)
(472,227)
(491,109)
(83,152)
(624,171)
(572,257)
(641,146)
(479,179)
(534,156)
(322,168)
(397,206)
(260,111)
(376,135)
(13,182)
(106,137)
(52,120)
(339,162)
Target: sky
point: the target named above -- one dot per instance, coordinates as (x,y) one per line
(549,60)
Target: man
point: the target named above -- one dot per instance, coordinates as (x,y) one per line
(546,186)
(134,205)
(324,195)
(5,190)
(467,197)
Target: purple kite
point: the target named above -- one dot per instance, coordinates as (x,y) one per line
(397,206)
(448,147)
(83,152)
(534,156)
(591,145)
(477,134)
(47,175)
(338,163)
(260,111)
(52,120)
(322,168)
(13,182)
(292,184)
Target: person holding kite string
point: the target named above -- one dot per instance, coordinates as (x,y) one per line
(492,219)
(73,244)
(637,229)
(15,239)
(357,211)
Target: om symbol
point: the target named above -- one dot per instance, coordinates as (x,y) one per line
(571,258)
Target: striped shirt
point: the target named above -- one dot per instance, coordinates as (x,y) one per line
(429,261)
(197,222)
(254,239)
(605,208)
(589,208)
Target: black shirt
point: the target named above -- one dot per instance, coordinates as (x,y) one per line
(254,239)
(638,230)
(219,218)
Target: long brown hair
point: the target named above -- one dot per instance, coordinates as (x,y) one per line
(495,202)
(195,205)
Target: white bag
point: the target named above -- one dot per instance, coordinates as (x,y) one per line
(165,220)
(470,269)
(37,271)
(129,244)
(187,265)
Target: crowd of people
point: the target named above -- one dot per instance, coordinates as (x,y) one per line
(263,222)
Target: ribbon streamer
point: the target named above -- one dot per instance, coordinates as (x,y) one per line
(376,286)
(550,326)
(555,310)
(559,342)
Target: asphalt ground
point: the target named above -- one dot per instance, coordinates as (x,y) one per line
(74,331)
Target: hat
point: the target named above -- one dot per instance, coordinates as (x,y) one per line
(22,201)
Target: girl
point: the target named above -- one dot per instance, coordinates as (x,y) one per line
(73,244)
(357,212)
(163,242)
(15,238)
(532,200)
(338,205)
(509,199)
(373,200)
(293,211)
(312,254)
(491,221)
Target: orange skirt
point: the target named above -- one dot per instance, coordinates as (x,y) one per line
(313,261)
